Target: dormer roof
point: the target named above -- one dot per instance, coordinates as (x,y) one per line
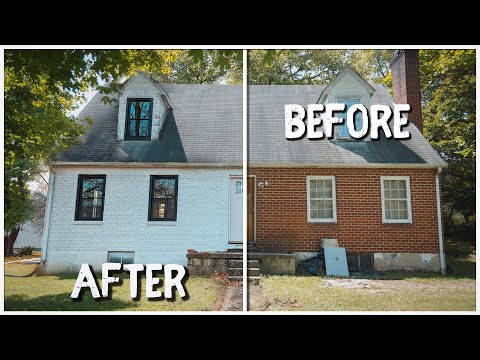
(348,70)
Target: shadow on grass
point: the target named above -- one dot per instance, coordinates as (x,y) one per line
(61,302)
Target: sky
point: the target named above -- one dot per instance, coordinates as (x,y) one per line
(89,95)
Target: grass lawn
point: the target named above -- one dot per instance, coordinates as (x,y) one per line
(53,293)
(393,291)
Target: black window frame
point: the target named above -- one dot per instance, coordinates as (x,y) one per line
(81,177)
(127,120)
(150,196)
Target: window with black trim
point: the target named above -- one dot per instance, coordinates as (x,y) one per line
(90,197)
(139,119)
(163,198)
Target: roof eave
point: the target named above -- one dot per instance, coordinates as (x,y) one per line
(350,165)
(144,164)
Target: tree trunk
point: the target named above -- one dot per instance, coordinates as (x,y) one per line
(9,241)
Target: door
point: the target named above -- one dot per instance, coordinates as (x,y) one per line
(251,209)
(236,216)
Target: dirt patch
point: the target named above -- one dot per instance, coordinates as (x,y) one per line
(230,297)
(35,254)
(233,299)
(354,283)
(256,301)
(383,286)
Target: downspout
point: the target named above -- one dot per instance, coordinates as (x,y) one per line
(48,212)
(439,222)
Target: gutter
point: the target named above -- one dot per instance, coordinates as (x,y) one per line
(146,164)
(439,222)
(48,213)
(347,165)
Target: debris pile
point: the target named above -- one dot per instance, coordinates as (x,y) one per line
(311,266)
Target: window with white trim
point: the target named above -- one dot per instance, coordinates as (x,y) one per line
(321,199)
(396,199)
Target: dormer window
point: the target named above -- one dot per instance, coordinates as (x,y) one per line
(342,130)
(139,119)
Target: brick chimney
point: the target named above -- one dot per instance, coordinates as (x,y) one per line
(406,84)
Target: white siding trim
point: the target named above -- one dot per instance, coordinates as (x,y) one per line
(409,200)
(334,202)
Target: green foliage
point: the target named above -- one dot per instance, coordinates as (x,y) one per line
(42,87)
(448,81)
(287,67)
(26,250)
(201,67)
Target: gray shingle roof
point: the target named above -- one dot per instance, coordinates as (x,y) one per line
(205,126)
(267,143)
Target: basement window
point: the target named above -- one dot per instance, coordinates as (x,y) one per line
(121,257)
(139,119)
(90,197)
(321,199)
(163,198)
(396,199)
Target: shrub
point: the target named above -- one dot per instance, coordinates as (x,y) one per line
(26,250)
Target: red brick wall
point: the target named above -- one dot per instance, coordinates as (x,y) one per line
(281,212)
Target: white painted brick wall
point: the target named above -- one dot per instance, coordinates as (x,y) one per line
(141,87)
(202,218)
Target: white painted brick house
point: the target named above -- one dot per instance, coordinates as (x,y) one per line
(159,172)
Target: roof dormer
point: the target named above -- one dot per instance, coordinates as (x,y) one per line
(348,88)
(143,107)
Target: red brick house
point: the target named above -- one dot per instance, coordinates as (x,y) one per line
(379,198)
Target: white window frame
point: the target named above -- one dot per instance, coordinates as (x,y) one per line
(334,199)
(409,200)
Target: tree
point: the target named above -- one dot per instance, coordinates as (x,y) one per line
(448,81)
(287,67)
(202,67)
(41,88)
(373,65)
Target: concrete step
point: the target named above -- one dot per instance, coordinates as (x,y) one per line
(252,248)
(238,263)
(251,279)
(239,272)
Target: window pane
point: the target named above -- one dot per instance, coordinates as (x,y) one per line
(328,188)
(164,188)
(139,109)
(144,110)
(321,189)
(144,127)
(133,128)
(396,209)
(163,208)
(132,110)
(315,204)
(343,130)
(139,118)
(164,199)
(90,203)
